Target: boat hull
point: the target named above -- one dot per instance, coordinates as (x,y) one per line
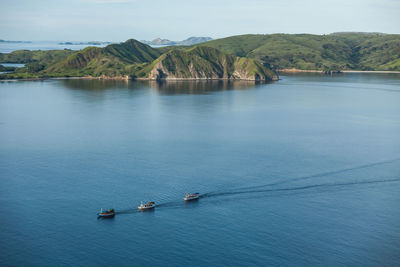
(191,198)
(105,215)
(146,208)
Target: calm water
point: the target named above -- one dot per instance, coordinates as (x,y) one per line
(40,45)
(45,45)
(304,171)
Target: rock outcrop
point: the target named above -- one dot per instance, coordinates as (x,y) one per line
(207,63)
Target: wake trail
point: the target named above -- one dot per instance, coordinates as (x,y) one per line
(327,185)
(179,204)
(318,175)
(260,188)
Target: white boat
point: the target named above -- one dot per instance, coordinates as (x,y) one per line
(147,206)
(191,196)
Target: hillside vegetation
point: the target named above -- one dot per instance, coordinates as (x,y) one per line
(207,63)
(338,51)
(135,60)
(113,60)
(252,57)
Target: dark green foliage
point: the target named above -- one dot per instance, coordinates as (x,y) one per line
(2,68)
(34,67)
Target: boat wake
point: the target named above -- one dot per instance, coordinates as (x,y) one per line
(319,175)
(179,204)
(270,187)
(298,188)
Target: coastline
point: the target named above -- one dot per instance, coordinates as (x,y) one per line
(127,78)
(342,71)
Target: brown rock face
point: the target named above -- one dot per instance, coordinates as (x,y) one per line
(204,63)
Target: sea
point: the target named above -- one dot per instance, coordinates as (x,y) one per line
(8,47)
(304,171)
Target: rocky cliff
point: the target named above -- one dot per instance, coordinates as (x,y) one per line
(207,63)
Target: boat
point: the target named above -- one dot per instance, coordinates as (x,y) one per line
(106,213)
(192,196)
(147,206)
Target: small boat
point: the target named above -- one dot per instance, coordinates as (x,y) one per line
(191,196)
(147,206)
(106,213)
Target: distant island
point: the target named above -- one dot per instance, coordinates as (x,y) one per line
(85,43)
(189,41)
(15,42)
(247,57)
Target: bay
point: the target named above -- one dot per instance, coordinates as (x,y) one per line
(303,171)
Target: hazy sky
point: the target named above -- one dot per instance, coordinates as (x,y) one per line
(118,20)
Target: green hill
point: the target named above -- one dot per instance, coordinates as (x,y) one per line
(113,60)
(42,56)
(133,59)
(34,61)
(207,63)
(238,57)
(132,51)
(361,51)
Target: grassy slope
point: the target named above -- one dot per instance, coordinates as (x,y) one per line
(303,51)
(133,51)
(135,59)
(204,60)
(306,51)
(207,62)
(27,56)
(35,61)
(113,60)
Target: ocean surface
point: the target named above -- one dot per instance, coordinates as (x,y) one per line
(300,172)
(8,47)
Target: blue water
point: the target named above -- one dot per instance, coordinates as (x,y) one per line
(16,65)
(6,47)
(300,172)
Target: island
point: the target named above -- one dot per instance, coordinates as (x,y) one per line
(189,41)
(135,60)
(256,57)
(15,42)
(85,43)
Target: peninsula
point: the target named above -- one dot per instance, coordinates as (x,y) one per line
(135,60)
(246,57)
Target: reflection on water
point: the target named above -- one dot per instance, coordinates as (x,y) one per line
(200,86)
(95,85)
(162,87)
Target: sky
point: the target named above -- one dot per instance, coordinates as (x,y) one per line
(119,20)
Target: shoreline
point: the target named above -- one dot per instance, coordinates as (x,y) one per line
(126,78)
(342,71)
(119,78)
